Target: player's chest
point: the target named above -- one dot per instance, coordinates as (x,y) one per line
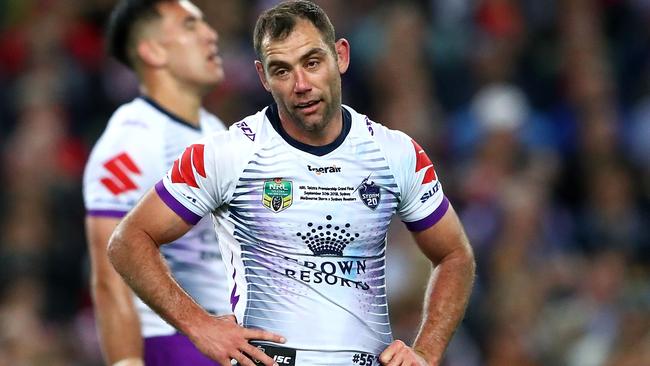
(344,183)
(330,207)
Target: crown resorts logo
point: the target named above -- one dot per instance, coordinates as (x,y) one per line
(278,194)
(327,239)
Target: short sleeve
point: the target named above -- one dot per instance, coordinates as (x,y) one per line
(191,188)
(422,202)
(121,168)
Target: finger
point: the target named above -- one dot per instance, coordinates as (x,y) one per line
(228,318)
(245,361)
(254,352)
(259,356)
(398,359)
(222,361)
(263,335)
(390,351)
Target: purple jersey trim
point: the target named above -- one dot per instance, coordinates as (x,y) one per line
(175,350)
(430,220)
(187,215)
(234,297)
(107,213)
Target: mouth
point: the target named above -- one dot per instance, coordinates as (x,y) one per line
(214,56)
(307,105)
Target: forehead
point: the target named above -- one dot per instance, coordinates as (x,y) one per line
(178,10)
(303,38)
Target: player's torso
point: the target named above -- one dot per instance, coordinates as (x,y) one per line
(130,166)
(310,231)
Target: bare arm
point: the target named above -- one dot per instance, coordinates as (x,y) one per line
(450,284)
(134,252)
(117,320)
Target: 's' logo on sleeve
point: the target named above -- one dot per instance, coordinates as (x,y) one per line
(423,161)
(120,167)
(192,160)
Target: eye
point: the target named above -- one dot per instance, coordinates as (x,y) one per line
(280,72)
(312,64)
(190,24)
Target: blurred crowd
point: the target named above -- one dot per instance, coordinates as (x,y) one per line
(535,113)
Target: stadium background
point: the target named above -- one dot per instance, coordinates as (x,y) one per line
(536,114)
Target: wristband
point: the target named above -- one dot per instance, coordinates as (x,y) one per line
(132,361)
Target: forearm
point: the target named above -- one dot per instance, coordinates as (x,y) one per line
(136,257)
(117,320)
(448,292)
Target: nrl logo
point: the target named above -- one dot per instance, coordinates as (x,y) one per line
(278,194)
(369,193)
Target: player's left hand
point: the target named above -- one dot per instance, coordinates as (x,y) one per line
(399,354)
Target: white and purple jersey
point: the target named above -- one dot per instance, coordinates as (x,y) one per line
(303,229)
(139,145)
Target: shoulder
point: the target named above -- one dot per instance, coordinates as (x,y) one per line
(246,133)
(135,115)
(387,138)
(240,140)
(132,122)
(133,129)
(211,121)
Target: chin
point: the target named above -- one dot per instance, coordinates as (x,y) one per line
(314,125)
(215,79)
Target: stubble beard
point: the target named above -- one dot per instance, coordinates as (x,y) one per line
(331,108)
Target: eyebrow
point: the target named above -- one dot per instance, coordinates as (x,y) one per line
(312,52)
(190,19)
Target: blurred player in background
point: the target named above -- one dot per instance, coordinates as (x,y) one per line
(304,192)
(173,51)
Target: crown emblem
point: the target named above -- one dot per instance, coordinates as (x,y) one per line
(327,239)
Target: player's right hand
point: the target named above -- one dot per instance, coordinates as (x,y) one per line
(223,340)
(399,354)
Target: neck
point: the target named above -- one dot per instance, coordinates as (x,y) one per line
(175,98)
(316,137)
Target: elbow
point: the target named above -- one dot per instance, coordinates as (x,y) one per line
(103,288)
(116,246)
(469,257)
(468,260)
(463,259)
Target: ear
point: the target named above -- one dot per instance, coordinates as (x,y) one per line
(342,47)
(152,53)
(262,75)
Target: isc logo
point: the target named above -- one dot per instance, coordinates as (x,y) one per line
(282,360)
(281,355)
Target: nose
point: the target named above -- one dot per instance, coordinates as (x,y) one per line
(302,84)
(211,34)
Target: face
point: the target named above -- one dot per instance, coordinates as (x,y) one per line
(304,76)
(188,45)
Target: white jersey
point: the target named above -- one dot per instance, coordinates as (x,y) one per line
(303,229)
(139,145)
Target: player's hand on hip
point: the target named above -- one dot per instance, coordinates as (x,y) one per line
(224,340)
(399,354)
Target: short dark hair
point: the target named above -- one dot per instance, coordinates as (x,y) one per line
(278,22)
(122,25)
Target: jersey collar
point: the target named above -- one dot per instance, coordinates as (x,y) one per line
(274,118)
(169,114)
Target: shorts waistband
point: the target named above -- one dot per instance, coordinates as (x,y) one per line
(285,356)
